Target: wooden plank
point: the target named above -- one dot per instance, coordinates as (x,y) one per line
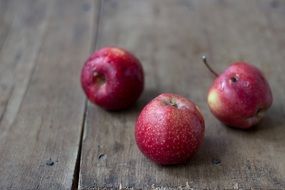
(42,105)
(170,37)
(3,23)
(19,29)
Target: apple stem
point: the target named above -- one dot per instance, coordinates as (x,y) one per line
(208,66)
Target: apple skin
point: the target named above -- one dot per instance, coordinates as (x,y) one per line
(112,78)
(169,129)
(240,96)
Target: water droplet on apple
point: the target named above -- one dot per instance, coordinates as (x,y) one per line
(222,86)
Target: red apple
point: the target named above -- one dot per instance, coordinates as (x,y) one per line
(169,129)
(112,78)
(240,96)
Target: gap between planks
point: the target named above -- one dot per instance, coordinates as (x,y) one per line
(96,29)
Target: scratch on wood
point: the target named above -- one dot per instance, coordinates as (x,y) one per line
(5,105)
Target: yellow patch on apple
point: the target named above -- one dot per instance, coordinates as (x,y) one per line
(118,52)
(214,100)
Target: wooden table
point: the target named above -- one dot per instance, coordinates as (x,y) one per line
(52,138)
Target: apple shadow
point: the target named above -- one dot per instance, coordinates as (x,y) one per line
(210,155)
(132,112)
(145,98)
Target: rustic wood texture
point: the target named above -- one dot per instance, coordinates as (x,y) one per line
(170,37)
(42,47)
(43,111)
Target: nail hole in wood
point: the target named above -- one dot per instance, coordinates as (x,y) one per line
(216,161)
(49,162)
(102,156)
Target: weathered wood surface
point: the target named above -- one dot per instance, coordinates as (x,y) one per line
(170,37)
(42,46)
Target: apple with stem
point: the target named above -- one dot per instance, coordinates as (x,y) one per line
(240,96)
(112,78)
(169,129)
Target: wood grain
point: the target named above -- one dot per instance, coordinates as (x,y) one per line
(169,37)
(42,47)
(19,29)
